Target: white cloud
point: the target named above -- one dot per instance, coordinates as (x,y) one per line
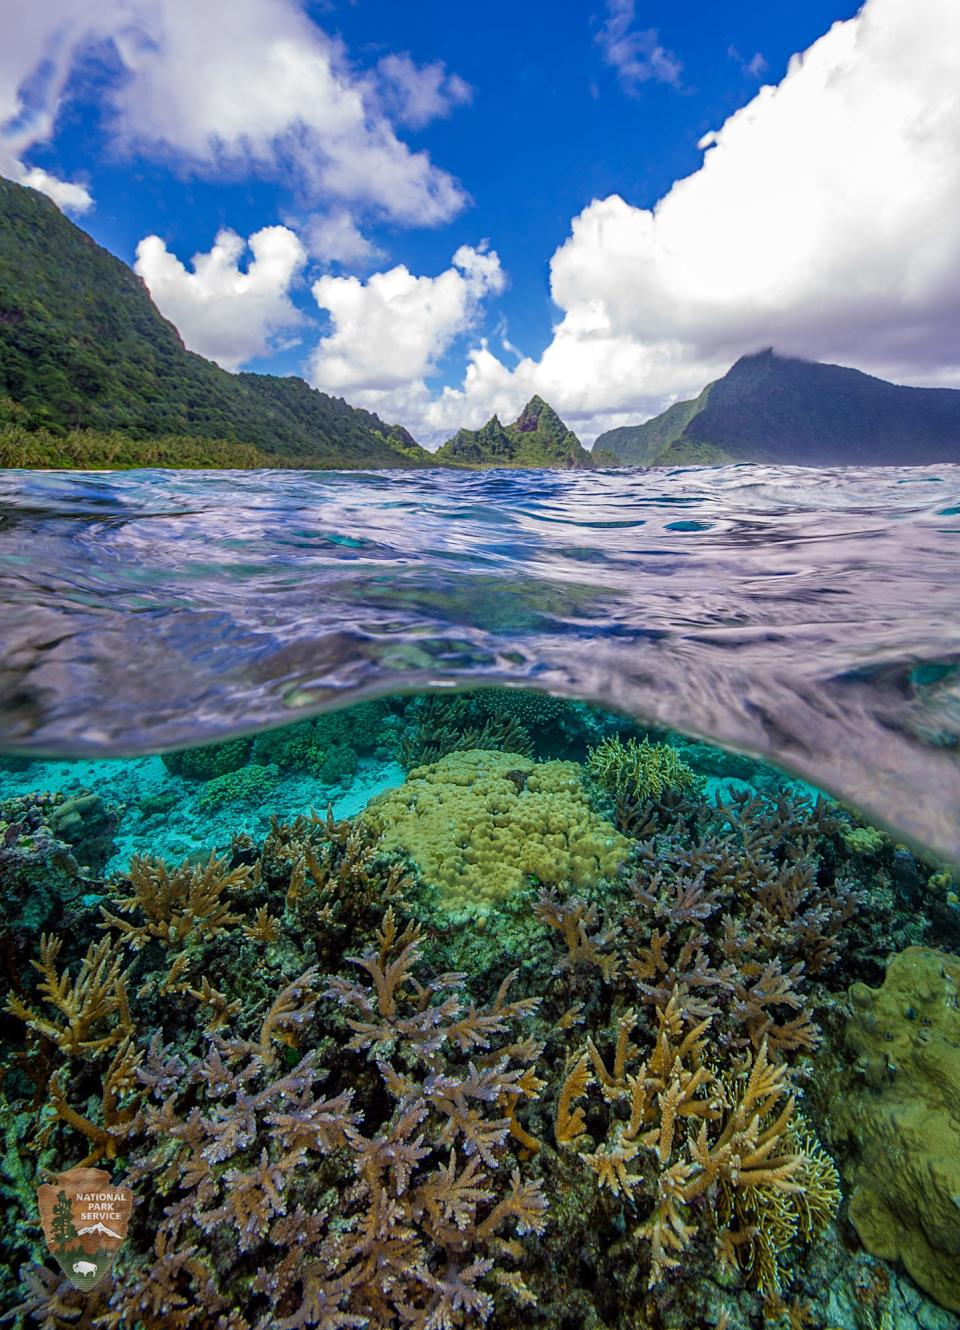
(389,331)
(823,221)
(222,311)
(33,74)
(66,194)
(636,54)
(334,237)
(264,90)
(416,94)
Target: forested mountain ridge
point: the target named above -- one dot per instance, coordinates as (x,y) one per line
(83,347)
(537,438)
(779,410)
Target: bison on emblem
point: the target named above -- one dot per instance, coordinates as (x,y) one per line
(84,1216)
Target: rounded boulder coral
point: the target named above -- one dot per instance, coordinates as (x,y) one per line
(481,824)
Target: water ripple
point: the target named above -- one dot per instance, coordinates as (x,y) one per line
(807,616)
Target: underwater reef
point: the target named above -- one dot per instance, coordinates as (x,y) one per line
(597,1029)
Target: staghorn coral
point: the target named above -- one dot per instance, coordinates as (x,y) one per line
(415,1135)
(730,916)
(336,879)
(119,1106)
(572,918)
(174,905)
(90,1013)
(392,1212)
(688,1131)
(481,824)
(899,1113)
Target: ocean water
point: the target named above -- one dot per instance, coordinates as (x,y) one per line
(580,944)
(809,617)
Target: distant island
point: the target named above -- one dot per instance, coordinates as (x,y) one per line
(782,411)
(537,438)
(92,375)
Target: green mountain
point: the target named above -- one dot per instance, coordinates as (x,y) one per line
(83,348)
(537,438)
(771,408)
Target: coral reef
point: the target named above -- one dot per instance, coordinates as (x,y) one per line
(476,1056)
(387,1197)
(327,746)
(437,725)
(51,845)
(638,770)
(533,710)
(482,824)
(688,1132)
(900,1116)
(208,761)
(249,784)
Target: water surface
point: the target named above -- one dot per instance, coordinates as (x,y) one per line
(809,617)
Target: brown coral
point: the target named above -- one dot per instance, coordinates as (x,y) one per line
(733,1136)
(176,904)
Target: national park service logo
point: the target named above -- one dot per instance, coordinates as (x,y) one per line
(84,1218)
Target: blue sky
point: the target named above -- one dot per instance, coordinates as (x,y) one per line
(527,133)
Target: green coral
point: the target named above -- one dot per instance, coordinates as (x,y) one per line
(246,786)
(531,709)
(208,761)
(328,746)
(481,824)
(863,840)
(641,770)
(901,1112)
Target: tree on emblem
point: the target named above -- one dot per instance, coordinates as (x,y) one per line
(63,1229)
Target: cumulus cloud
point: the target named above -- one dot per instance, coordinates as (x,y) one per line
(635,53)
(823,221)
(227,313)
(266,91)
(389,332)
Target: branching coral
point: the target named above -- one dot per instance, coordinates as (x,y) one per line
(91,1013)
(440,724)
(336,878)
(639,769)
(176,904)
(689,1131)
(372,1147)
(732,916)
(573,919)
(394,1213)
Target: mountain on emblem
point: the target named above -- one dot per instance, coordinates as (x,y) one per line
(84,1217)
